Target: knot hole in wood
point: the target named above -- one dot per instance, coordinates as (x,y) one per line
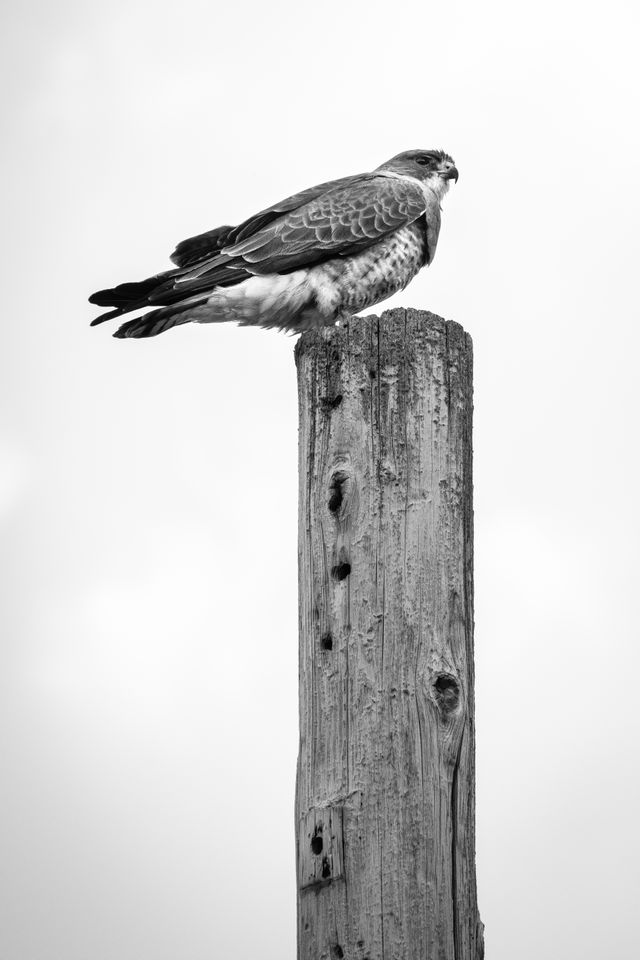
(447,694)
(326,641)
(321,856)
(338,488)
(330,403)
(341,569)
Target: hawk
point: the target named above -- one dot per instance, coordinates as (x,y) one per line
(309,261)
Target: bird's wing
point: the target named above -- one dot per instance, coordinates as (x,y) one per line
(341,221)
(201,247)
(206,245)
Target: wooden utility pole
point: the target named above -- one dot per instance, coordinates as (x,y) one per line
(385,790)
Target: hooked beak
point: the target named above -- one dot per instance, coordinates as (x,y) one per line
(451,174)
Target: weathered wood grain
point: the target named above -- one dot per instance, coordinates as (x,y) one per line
(386,763)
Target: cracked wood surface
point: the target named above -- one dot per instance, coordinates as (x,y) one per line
(386,762)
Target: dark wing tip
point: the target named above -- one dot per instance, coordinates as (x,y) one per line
(204,245)
(101,298)
(128,296)
(106,316)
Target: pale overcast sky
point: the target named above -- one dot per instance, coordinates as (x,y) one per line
(148,659)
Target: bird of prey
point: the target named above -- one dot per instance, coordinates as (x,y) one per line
(311,260)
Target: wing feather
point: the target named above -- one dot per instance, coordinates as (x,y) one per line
(206,245)
(259,220)
(201,247)
(342,221)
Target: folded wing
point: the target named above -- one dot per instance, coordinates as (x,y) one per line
(206,245)
(342,221)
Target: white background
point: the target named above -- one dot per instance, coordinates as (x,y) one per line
(148,675)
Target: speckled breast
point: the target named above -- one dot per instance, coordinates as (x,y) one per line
(380,271)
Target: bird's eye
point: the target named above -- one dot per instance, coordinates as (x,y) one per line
(423,161)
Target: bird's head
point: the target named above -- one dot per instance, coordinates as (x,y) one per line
(434,167)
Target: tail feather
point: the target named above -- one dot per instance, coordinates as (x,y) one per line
(164,289)
(129,296)
(158,321)
(126,293)
(107,316)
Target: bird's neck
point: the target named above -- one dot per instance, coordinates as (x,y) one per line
(437,185)
(434,188)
